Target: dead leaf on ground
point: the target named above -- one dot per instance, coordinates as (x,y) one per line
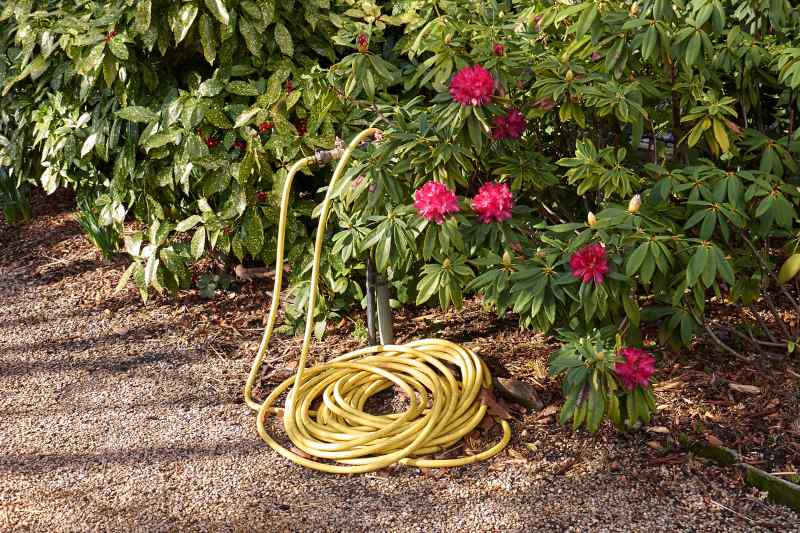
(515,454)
(487,424)
(654,444)
(495,406)
(658,429)
(747,389)
(713,440)
(435,473)
(564,467)
(550,410)
(280,374)
(297,451)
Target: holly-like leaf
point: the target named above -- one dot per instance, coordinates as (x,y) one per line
(284,39)
(218,9)
(137,113)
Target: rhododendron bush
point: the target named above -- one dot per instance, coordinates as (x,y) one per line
(602,169)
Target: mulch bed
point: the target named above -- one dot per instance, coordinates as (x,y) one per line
(752,407)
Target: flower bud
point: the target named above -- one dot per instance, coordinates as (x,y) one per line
(506,259)
(591,219)
(635,204)
(570,75)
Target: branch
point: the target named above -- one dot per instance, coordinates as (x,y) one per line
(717,340)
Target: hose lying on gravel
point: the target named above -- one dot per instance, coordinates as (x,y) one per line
(442,408)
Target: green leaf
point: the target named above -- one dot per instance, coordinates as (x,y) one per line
(198,242)
(253,232)
(242,88)
(246,116)
(697,265)
(188,223)
(693,49)
(126,276)
(284,39)
(789,269)
(118,48)
(585,21)
(475,132)
(143,15)
(218,9)
(137,113)
(183,21)
(208,38)
(636,258)
(158,140)
(88,144)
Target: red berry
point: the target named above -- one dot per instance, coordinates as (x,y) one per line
(264,127)
(499,50)
(363,42)
(262,196)
(211,142)
(289,86)
(301,128)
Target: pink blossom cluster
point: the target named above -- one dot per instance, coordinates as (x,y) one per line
(508,126)
(590,263)
(636,369)
(472,86)
(434,201)
(493,203)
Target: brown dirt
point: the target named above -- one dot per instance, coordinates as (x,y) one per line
(121,416)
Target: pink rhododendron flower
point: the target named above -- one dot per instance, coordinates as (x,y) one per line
(512,125)
(472,86)
(493,202)
(590,263)
(499,50)
(636,369)
(434,201)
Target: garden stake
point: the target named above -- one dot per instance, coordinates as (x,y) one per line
(338,429)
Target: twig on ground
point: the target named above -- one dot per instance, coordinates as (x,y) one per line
(731,510)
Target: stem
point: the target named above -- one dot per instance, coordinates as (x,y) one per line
(751,339)
(717,340)
(763,324)
(677,133)
(770,273)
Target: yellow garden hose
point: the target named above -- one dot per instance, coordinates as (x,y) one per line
(442,408)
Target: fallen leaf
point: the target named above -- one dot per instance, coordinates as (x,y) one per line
(550,410)
(713,440)
(564,467)
(515,454)
(297,451)
(654,444)
(747,389)
(487,424)
(495,407)
(281,374)
(658,429)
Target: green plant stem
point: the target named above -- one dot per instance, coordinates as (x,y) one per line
(767,298)
(716,339)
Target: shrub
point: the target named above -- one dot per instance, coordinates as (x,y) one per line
(651,146)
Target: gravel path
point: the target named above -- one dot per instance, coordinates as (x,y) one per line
(114,419)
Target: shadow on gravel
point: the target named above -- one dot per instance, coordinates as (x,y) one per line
(41,463)
(106,362)
(148,332)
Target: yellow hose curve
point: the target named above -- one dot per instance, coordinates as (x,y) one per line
(442,409)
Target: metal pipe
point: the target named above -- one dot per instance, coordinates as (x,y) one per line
(372,275)
(384,310)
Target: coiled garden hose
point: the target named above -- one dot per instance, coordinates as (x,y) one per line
(442,408)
